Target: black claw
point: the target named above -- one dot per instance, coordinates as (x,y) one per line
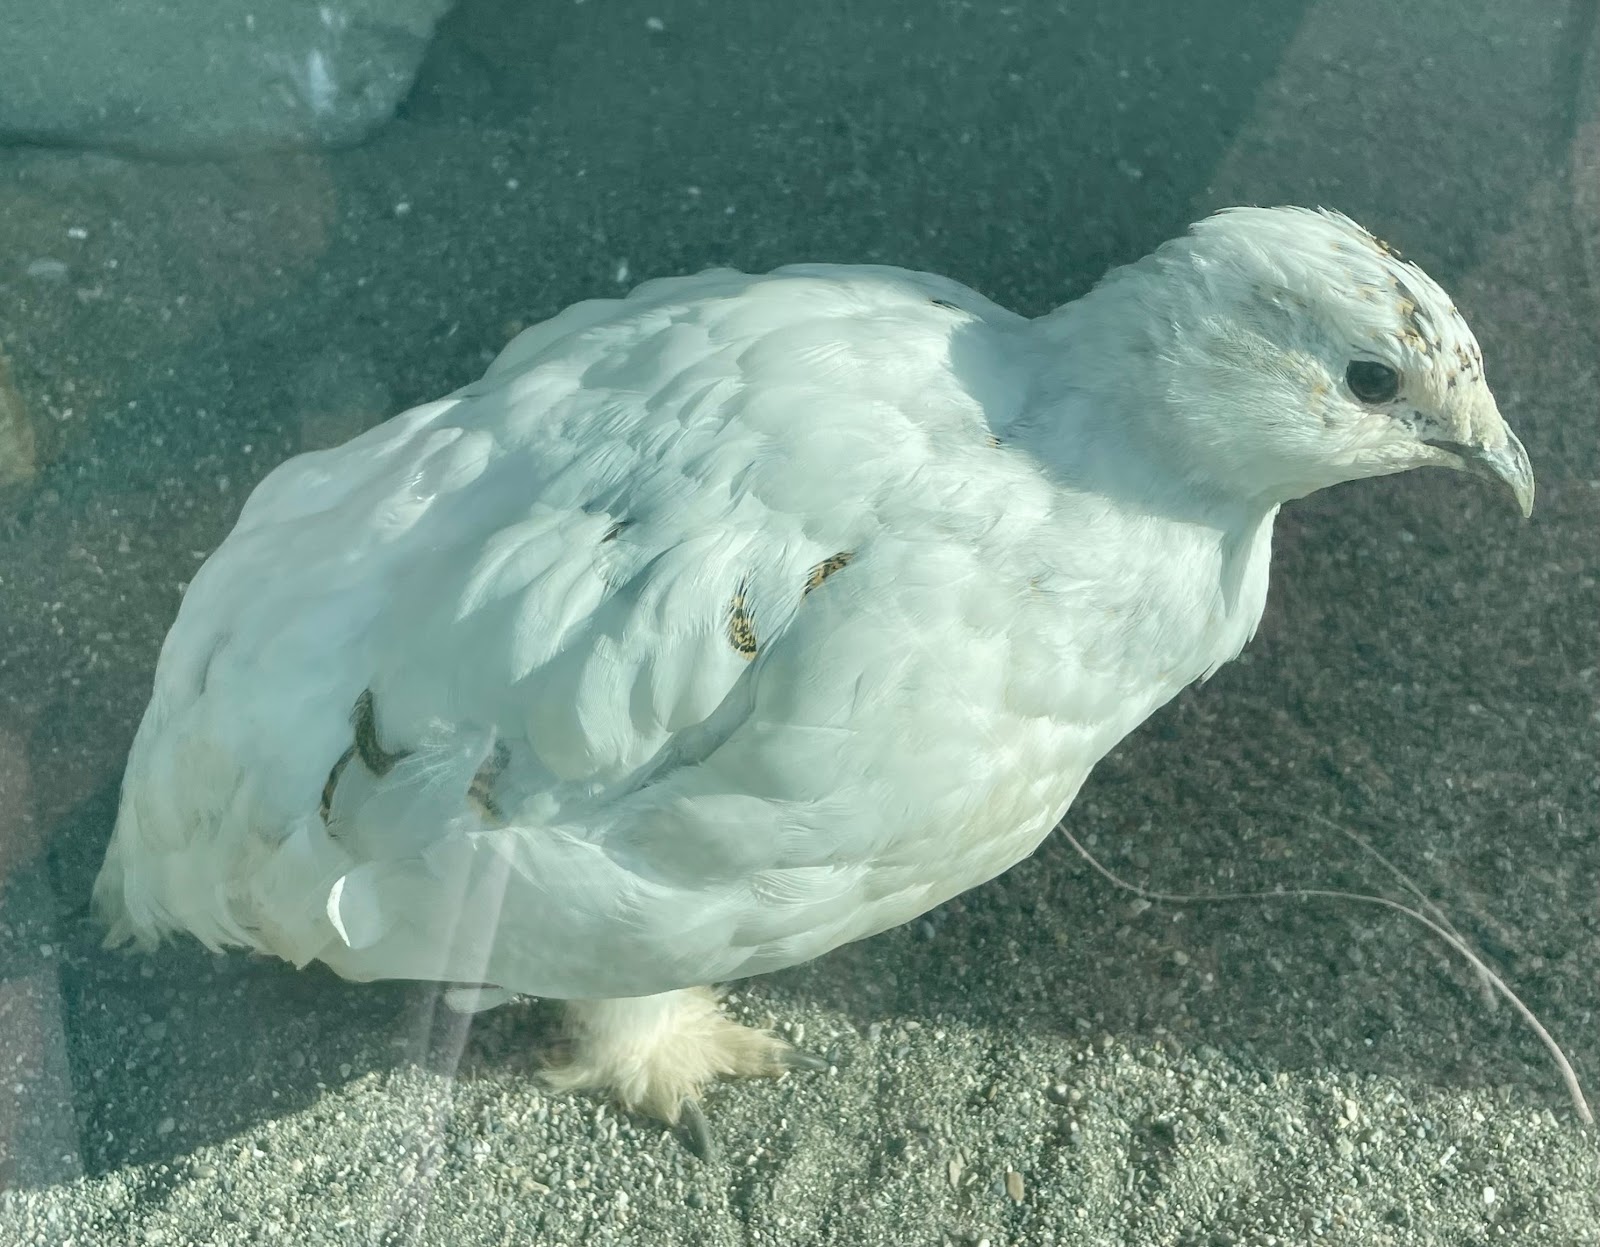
(794,1058)
(696,1131)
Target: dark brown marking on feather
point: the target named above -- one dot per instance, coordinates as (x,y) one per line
(374,756)
(945,303)
(325,805)
(1421,326)
(1419,332)
(613,532)
(1388,249)
(1424,324)
(481,790)
(741,625)
(826,568)
(992,442)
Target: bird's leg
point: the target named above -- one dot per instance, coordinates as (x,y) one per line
(655,1054)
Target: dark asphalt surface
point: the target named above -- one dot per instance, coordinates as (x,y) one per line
(1426,675)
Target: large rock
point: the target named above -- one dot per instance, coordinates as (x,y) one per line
(206,77)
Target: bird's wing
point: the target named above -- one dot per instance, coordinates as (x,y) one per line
(625,628)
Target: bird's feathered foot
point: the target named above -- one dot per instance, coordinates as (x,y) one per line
(655,1054)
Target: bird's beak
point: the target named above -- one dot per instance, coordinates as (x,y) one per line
(1498,458)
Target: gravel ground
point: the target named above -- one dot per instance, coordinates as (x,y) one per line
(1048,1060)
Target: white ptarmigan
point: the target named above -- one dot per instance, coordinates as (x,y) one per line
(727,622)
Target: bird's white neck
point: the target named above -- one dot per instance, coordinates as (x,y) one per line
(1098,421)
(1125,400)
(1104,430)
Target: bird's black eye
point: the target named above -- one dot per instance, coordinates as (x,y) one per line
(1371,381)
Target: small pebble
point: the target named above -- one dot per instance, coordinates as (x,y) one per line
(1014,1186)
(47,269)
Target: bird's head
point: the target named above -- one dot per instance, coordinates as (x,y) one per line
(1288,349)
